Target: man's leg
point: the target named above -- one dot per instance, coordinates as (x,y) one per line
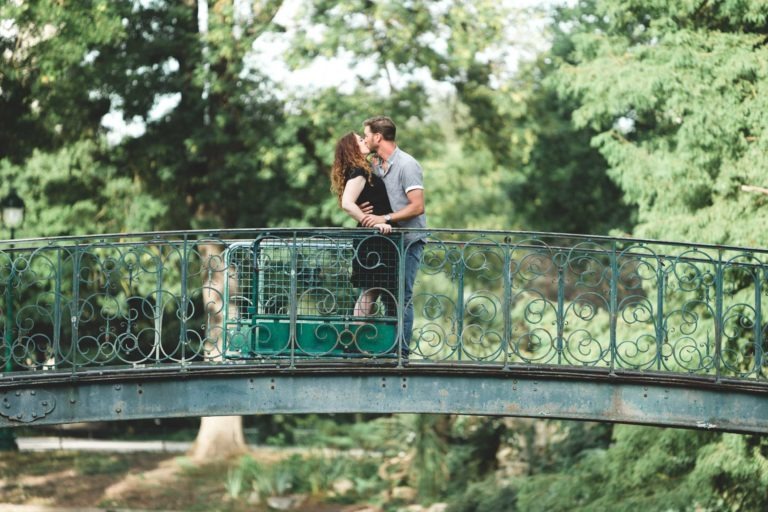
(412,264)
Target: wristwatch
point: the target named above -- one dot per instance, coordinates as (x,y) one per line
(388,218)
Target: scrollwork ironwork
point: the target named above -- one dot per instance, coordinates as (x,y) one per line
(484,298)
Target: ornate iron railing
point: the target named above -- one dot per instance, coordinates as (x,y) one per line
(284,297)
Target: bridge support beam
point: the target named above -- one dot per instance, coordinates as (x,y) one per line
(636,398)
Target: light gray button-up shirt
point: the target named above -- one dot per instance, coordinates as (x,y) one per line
(403,174)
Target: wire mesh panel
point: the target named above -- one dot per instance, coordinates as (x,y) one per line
(312,296)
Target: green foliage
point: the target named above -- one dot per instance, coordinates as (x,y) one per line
(443,39)
(561,159)
(656,469)
(71,192)
(445,453)
(674,92)
(429,471)
(63,75)
(356,433)
(463,137)
(338,431)
(670,95)
(467,185)
(230,154)
(296,474)
(474,443)
(735,469)
(562,183)
(577,439)
(50,92)
(488,494)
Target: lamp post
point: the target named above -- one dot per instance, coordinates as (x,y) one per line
(12,213)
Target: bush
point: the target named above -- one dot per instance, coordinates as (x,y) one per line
(484,496)
(297,474)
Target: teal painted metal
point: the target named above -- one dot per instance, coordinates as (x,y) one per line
(294,298)
(8,337)
(564,394)
(282,298)
(7,436)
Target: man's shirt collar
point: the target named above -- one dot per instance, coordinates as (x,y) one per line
(390,161)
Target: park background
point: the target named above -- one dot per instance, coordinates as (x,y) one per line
(629,118)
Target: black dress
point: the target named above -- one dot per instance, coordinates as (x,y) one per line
(375,263)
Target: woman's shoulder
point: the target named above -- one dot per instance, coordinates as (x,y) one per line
(355,172)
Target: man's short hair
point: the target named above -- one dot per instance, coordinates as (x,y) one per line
(383,125)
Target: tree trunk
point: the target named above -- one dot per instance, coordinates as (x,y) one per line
(219,437)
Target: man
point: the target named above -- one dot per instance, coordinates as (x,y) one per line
(404,182)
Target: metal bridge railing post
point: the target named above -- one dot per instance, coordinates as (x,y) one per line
(400,331)
(614,305)
(661,278)
(158,309)
(57,311)
(507,304)
(184,299)
(75,307)
(718,313)
(560,314)
(292,303)
(460,267)
(8,341)
(8,436)
(758,323)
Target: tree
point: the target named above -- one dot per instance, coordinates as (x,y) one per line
(675,94)
(652,469)
(560,158)
(49,85)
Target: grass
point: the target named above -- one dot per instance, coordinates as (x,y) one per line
(161,481)
(66,478)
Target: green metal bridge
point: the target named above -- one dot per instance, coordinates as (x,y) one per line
(547,325)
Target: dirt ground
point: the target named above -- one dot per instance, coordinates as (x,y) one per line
(148,481)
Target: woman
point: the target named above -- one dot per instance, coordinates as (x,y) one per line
(374,268)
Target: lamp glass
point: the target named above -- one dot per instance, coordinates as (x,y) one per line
(13,216)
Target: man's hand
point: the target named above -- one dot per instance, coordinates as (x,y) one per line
(384,229)
(366,208)
(370,221)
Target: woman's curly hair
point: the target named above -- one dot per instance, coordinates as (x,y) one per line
(348,157)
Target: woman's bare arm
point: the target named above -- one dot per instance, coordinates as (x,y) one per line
(352,191)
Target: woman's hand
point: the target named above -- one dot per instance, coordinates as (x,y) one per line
(383,228)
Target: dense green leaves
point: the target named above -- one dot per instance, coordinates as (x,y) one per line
(50,95)
(70,192)
(676,93)
(655,469)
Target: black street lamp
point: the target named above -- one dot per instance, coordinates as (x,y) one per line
(12,210)
(12,213)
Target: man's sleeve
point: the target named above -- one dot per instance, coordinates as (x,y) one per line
(412,176)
